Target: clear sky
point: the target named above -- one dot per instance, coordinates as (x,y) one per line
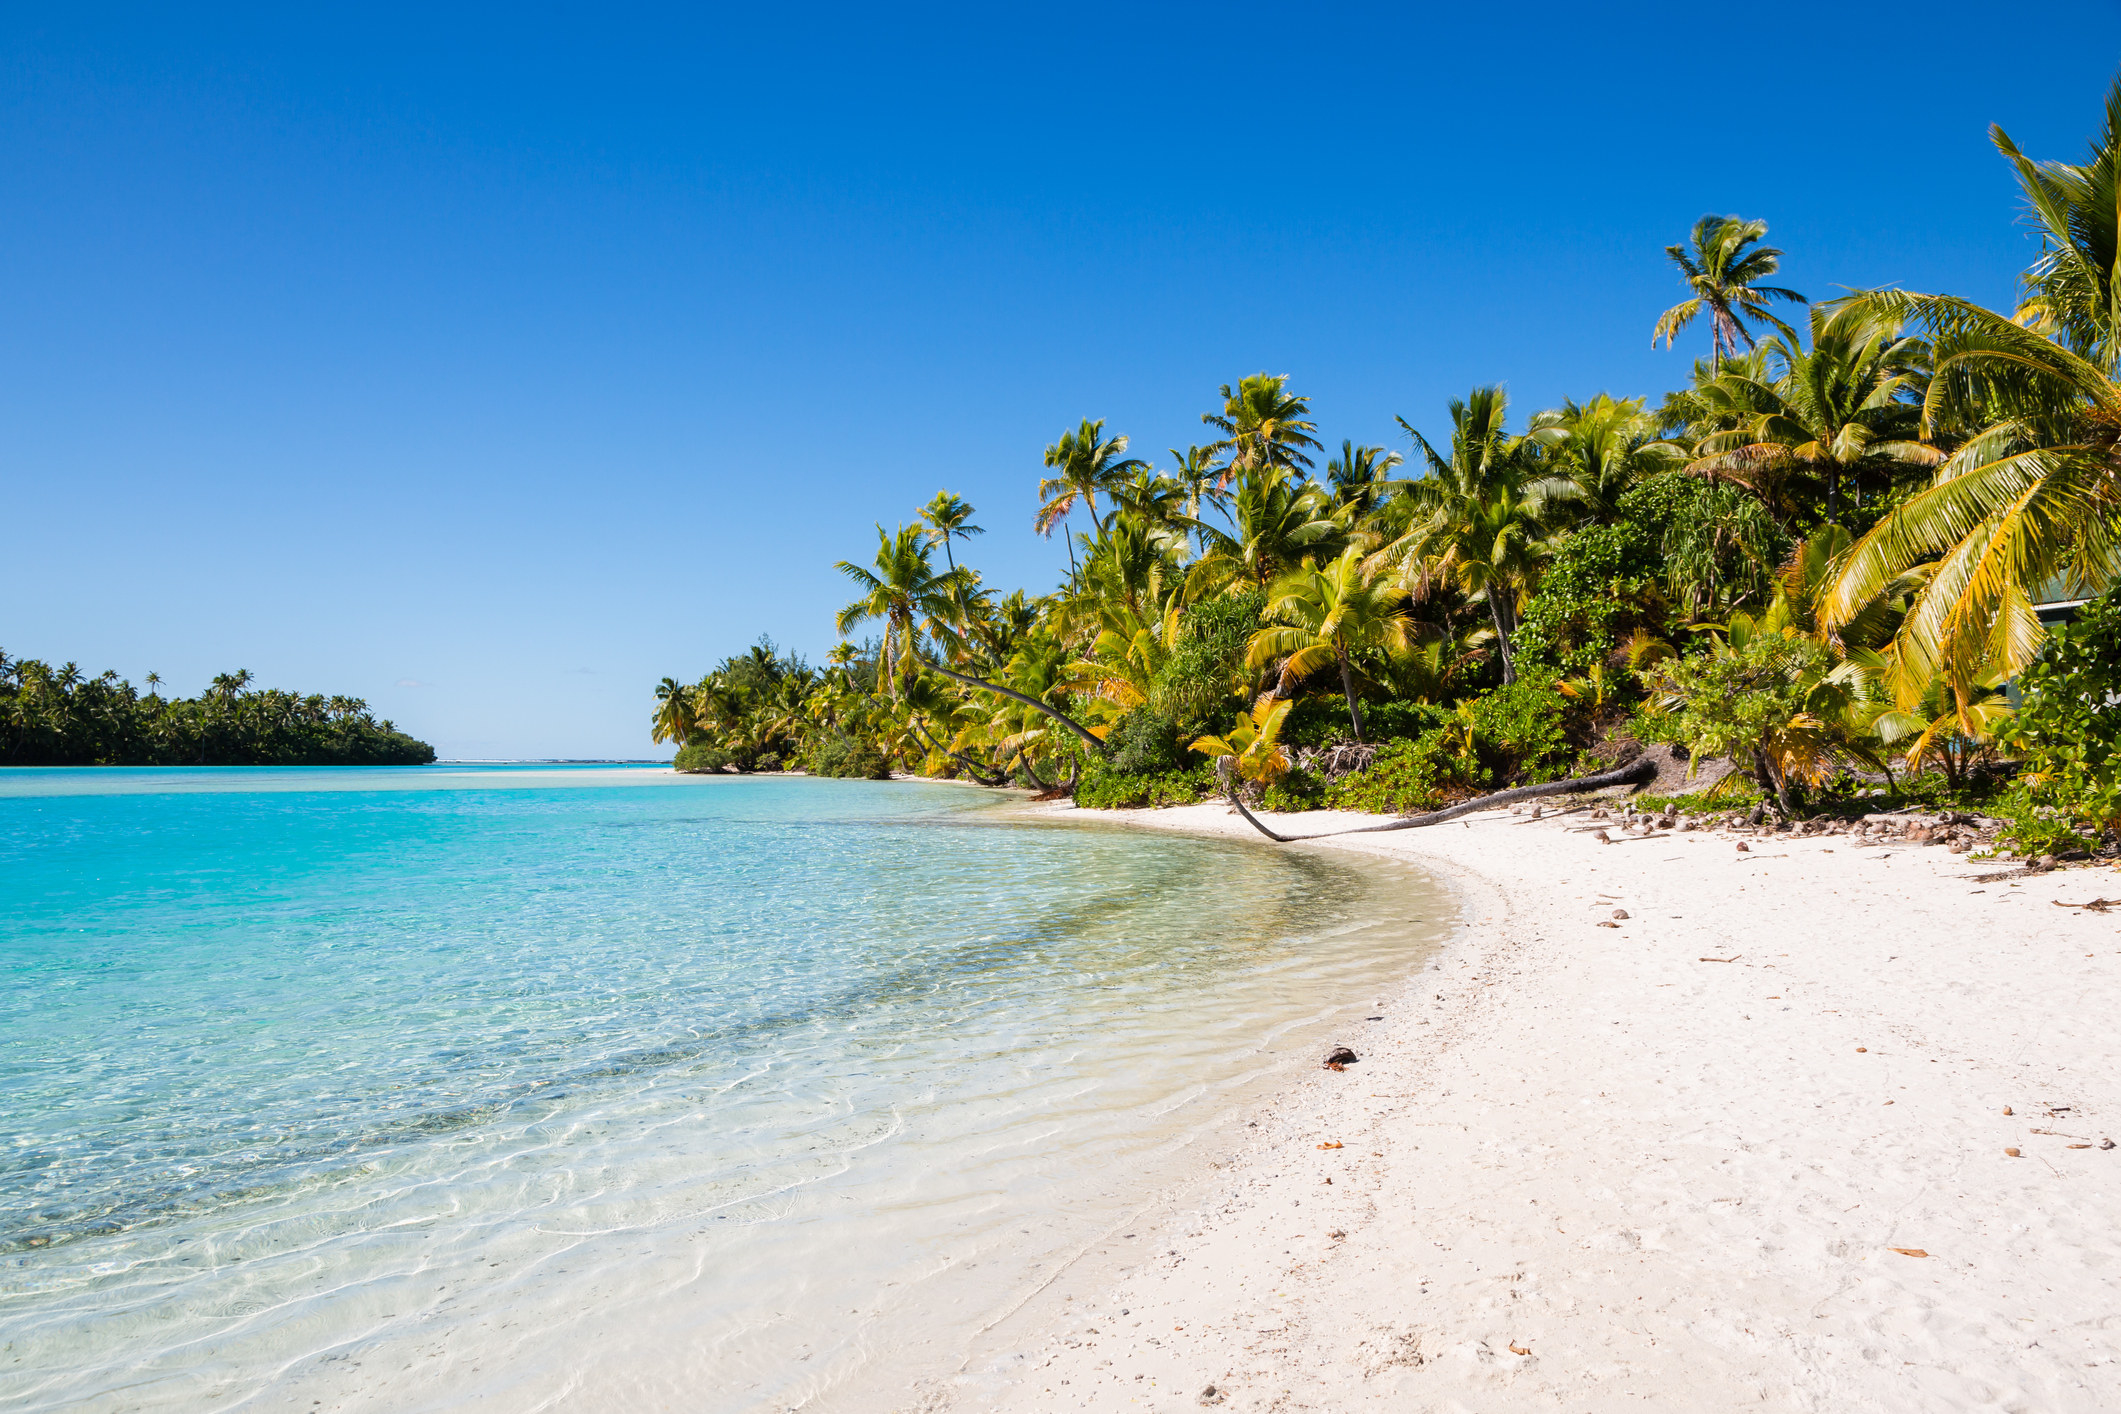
(492,364)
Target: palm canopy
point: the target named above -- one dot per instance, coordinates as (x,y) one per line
(1361,476)
(1326,616)
(1086,464)
(1480,518)
(1723,275)
(948,517)
(1846,409)
(1599,448)
(2032,492)
(674,713)
(898,589)
(1263,425)
(2071,292)
(1276,519)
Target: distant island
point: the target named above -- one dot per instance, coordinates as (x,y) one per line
(59,717)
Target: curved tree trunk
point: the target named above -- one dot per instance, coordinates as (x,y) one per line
(1050,710)
(979,773)
(1640,770)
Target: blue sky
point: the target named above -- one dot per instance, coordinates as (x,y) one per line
(492,366)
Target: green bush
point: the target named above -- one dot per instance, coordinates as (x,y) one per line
(1521,730)
(1207,666)
(2067,736)
(1410,774)
(1322,720)
(1145,743)
(1102,788)
(699,758)
(837,754)
(1590,595)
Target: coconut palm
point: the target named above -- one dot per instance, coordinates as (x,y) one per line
(1847,408)
(1263,425)
(1480,517)
(1254,743)
(900,588)
(948,517)
(1276,519)
(1361,476)
(1600,448)
(2072,292)
(2031,495)
(1197,470)
(1724,277)
(1327,616)
(674,713)
(1086,464)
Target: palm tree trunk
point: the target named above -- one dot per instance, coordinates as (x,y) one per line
(1641,771)
(1502,635)
(1347,685)
(1046,707)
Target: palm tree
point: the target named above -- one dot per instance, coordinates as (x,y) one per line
(1276,519)
(1326,617)
(154,683)
(1479,517)
(1360,476)
(1600,448)
(1263,424)
(1723,276)
(674,715)
(1087,464)
(1848,407)
(2031,495)
(2073,290)
(1198,472)
(947,516)
(1254,744)
(901,587)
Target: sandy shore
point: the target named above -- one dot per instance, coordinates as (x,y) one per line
(1665,1165)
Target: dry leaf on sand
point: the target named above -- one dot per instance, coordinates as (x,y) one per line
(2014,1153)
(1333,1144)
(1516,1349)
(1911,1251)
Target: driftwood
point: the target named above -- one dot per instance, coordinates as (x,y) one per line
(1636,772)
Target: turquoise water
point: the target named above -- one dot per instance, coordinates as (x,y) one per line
(597,1087)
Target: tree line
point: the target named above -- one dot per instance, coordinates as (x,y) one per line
(1823,558)
(62,717)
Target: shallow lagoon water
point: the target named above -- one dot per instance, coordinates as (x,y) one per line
(601,1088)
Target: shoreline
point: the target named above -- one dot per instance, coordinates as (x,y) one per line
(1685,1159)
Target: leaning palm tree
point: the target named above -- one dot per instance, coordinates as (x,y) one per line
(1326,617)
(948,517)
(1086,464)
(1723,276)
(1263,424)
(900,588)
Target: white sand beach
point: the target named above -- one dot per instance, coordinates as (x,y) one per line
(1751,1148)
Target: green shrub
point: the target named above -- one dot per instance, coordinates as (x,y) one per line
(2067,736)
(699,758)
(1102,788)
(1521,730)
(1207,666)
(837,754)
(1145,743)
(1322,720)
(1410,774)
(1591,594)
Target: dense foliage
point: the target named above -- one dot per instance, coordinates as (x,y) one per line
(2068,734)
(58,717)
(1818,556)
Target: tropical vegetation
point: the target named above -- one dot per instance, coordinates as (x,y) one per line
(1822,559)
(63,717)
